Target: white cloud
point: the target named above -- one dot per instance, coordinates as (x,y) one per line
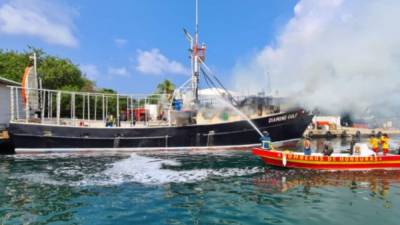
(341,55)
(154,63)
(38,18)
(120,42)
(118,71)
(90,71)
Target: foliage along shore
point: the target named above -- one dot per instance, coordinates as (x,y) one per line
(56,73)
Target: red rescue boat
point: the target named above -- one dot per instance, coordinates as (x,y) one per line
(360,160)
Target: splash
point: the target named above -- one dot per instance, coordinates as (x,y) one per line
(146,170)
(151,171)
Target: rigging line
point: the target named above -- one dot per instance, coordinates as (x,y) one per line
(207,79)
(231,98)
(212,74)
(218,81)
(215,86)
(210,83)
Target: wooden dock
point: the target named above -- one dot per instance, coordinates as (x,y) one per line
(4,135)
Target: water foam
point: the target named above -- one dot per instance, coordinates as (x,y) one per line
(150,171)
(39,178)
(143,169)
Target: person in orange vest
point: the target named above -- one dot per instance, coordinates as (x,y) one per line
(374,143)
(307,146)
(385,143)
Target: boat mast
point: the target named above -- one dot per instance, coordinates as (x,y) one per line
(198,55)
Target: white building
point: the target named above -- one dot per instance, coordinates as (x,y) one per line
(5,101)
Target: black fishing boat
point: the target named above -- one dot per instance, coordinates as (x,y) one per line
(81,121)
(282,127)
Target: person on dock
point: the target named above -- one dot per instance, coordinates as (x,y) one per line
(385,143)
(307,146)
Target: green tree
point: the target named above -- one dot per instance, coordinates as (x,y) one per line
(12,64)
(56,73)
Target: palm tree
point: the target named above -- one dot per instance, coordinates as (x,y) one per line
(165,87)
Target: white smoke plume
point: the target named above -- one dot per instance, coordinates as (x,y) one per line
(337,55)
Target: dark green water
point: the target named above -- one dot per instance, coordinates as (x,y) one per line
(228,187)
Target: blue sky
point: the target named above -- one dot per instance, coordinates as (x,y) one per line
(131,45)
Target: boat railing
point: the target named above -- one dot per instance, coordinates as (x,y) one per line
(88,109)
(94,109)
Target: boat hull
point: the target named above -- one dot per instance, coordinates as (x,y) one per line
(281,127)
(319,162)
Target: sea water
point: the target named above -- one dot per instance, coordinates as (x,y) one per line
(188,187)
